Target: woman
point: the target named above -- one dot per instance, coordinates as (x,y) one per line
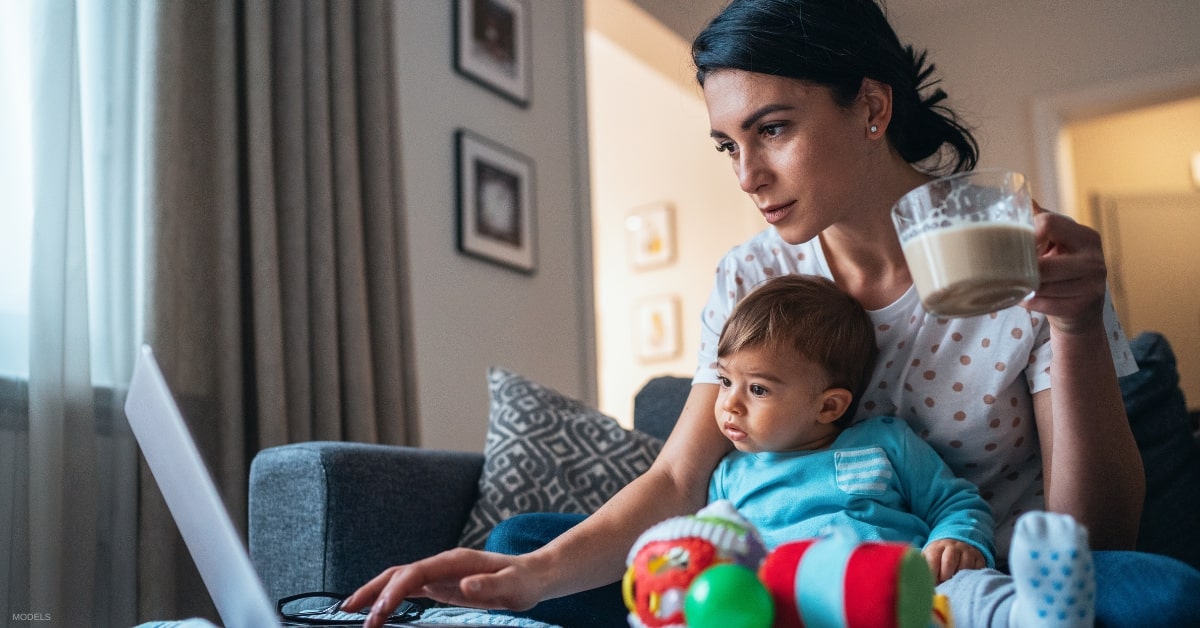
(827,121)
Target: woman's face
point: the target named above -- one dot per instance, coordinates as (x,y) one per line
(799,155)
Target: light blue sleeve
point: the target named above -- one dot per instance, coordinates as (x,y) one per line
(950,505)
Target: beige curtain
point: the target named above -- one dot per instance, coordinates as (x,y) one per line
(276,285)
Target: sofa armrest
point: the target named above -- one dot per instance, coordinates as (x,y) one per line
(328,516)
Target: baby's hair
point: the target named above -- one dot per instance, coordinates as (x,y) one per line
(812,317)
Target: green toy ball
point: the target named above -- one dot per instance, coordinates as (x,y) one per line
(728,596)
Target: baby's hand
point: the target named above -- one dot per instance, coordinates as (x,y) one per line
(947,557)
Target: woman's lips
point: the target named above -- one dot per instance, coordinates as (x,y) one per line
(775,213)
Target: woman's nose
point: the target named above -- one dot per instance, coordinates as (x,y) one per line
(750,172)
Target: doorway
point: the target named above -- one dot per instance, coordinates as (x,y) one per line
(1123,166)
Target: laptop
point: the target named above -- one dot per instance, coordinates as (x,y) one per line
(192,498)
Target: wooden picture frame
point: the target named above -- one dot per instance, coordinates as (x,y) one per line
(656,328)
(492,46)
(650,236)
(495,202)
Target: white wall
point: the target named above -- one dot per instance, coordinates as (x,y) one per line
(649,142)
(998,58)
(1138,165)
(468,314)
(1144,151)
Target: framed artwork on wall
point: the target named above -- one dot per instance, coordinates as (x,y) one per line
(491,46)
(650,235)
(656,328)
(495,202)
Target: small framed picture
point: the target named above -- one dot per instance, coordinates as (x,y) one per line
(656,328)
(650,235)
(495,202)
(492,46)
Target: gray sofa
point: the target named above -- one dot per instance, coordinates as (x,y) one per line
(328,516)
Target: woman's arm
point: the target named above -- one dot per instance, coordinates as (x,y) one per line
(1092,467)
(589,555)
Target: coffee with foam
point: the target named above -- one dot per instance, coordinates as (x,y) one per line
(968,240)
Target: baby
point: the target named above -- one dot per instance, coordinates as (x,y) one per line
(792,361)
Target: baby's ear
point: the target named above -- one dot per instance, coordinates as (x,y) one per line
(834,402)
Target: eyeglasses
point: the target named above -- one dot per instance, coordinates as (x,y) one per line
(323,608)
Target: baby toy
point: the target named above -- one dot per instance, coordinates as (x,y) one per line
(839,580)
(711,570)
(667,558)
(728,596)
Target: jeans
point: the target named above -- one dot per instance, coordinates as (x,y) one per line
(1132,588)
(1142,589)
(599,607)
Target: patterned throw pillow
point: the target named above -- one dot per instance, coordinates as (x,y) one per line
(549,453)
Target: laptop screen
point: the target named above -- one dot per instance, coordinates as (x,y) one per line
(193,500)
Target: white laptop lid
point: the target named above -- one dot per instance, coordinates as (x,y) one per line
(193,500)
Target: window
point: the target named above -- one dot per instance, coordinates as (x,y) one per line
(16,185)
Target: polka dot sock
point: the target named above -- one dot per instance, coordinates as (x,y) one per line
(1052,572)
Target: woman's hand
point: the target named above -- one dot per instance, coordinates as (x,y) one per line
(460,577)
(1071,263)
(947,557)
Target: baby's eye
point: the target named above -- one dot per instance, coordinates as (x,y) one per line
(724,381)
(757,390)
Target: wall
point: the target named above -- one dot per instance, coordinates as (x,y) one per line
(1138,165)
(649,140)
(1148,150)
(998,58)
(468,314)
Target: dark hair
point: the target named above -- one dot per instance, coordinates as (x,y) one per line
(814,318)
(838,43)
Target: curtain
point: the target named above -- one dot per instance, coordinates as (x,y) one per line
(220,179)
(70,474)
(275,295)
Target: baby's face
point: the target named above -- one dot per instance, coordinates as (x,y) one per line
(773,402)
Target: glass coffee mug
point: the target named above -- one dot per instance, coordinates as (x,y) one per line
(968,241)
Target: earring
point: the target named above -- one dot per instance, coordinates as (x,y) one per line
(873,129)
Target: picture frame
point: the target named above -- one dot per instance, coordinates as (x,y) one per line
(492,46)
(650,235)
(656,328)
(495,202)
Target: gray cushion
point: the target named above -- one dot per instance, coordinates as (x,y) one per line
(546,452)
(657,405)
(1159,419)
